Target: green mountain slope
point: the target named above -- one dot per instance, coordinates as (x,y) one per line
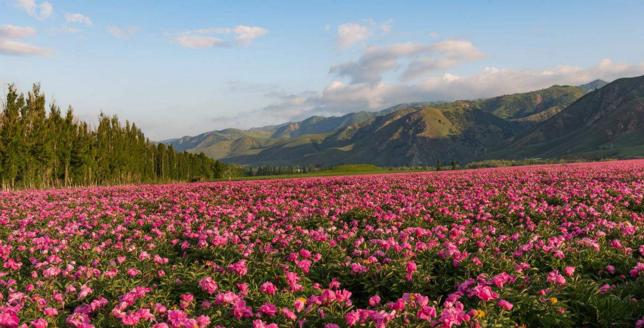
(532,106)
(227,143)
(319,124)
(594,85)
(560,121)
(605,122)
(417,135)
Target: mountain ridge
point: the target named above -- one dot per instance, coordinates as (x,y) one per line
(424,133)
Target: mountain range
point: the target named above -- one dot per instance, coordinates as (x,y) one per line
(590,121)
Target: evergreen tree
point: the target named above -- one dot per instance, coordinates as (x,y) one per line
(40,149)
(11,136)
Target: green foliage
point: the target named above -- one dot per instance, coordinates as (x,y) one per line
(355,168)
(40,149)
(560,122)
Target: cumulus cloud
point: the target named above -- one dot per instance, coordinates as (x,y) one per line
(447,54)
(339,97)
(10,46)
(493,81)
(422,58)
(459,49)
(352,33)
(39,11)
(77,18)
(242,35)
(122,32)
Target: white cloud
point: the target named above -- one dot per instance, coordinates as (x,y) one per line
(77,18)
(122,32)
(214,36)
(45,10)
(352,33)
(422,58)
(493,81)
(13,31)
(457,49)
(246,34)
(17,48)
(198,41)
(10,46)
(339,98)
(39,11)
(447,54)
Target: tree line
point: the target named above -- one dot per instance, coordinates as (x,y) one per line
(266,170)
(49,148)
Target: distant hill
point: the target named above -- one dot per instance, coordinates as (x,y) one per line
(607,122)
(594,85)
(222,144)
(532,106)
(590,120)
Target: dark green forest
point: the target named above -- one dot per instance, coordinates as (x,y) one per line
(42,146)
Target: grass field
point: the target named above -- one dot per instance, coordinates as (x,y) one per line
(340,170)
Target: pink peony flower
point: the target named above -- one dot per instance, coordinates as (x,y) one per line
(352,318)
(50,312)
(84,291)
(39,323)
(426,313)
(262,324)
(186,300)
(268,309)
(484,293)
(605,288)
(358,268)
(411,268)
(239,268)
(288,314)
(505,305)
(640,323)
(299,304)
(268,288)
(8,319)
(203,321)
(635,271)
(208,285)
(293,281)
(78,320)
(554,277)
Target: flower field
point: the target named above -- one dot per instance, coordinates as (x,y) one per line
(554,246)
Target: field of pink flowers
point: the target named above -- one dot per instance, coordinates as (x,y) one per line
(557,246)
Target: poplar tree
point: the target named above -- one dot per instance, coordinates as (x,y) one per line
(42,149)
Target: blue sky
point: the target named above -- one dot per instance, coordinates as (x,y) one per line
(184,67)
